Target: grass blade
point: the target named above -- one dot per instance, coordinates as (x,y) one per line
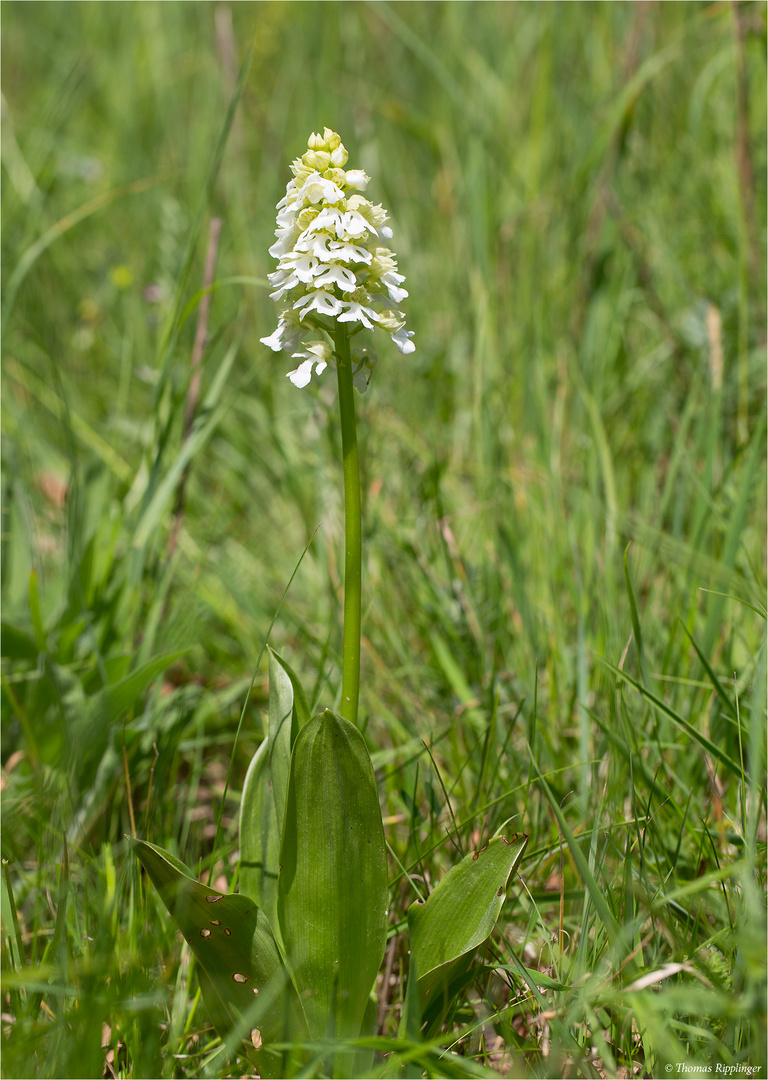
(595,892)
(703,741)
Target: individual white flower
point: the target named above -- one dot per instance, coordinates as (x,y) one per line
(319,300)
(316,356)
(274,341)
(356,178)
(337,275)
(402,339)
(354,224)
(304,266)
(357,313)
(288,335)
(392,281)
(327,220)
(332,264)
(314,244)
(316,189)
(348,252)
(284,280)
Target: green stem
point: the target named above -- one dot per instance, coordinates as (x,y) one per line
(350,685)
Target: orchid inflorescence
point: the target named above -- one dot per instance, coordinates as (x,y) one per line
(332,263)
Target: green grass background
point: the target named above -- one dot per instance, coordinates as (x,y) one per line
(578,198)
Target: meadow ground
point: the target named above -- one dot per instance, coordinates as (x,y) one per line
(564,509)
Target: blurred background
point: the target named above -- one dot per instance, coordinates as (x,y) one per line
(578,196)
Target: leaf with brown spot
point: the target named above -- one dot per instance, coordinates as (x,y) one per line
(243,979)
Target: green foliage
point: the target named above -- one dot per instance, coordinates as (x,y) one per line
(244,982)
(323,814)
(578,198)
(260,837)
(332,888)
(265,789)
(458,917)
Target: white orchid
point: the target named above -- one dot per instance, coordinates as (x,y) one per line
(331,263)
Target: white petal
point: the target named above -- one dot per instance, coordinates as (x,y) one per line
(286,218)
(337,275)
(402,339)
(303,373)
(314,244)
(284,282)
(305,267)
(283,244)
(327,219)
(392,281)
(357,313)
(356,178)
(319,301)
(354,224)
(274,341)
(317,189)
(342,249)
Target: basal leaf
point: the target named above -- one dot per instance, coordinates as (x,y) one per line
(259,837)
(245,984)
(300,706)
(262,808)
(461,911)
(438,991)
(281,734)
(332,889)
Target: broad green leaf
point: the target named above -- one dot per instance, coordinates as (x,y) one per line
(246,987)
(280,734)
(332,889)
(440,990)
(300,706)
(259,837)
(262,808)
(362,1064)
(461,911)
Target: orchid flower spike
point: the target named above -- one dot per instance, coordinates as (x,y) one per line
(332,264)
